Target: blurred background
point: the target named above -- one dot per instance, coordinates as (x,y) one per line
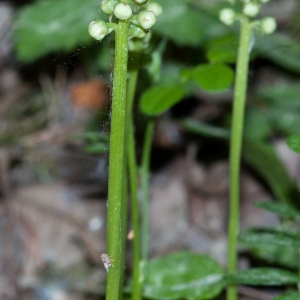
(55,84)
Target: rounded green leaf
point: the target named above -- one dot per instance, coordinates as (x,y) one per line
(223,49)
(293,142)
(262,276)
(213,77)
(220,55)
(183,275)
(288,296)
(160,98)
(51,25)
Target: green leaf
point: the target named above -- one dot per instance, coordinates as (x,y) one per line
(293,142)
(205,129)
(171,25)
(52,25)
(213,77)
(288,296)
(262,276)
(263,158)
(252,237)
(183,275)
(159,99)
(223,49)
(281,49)
(282,209)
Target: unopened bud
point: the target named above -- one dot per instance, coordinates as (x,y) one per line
(108,6)
(267,25)
(98,30)
(155,7)
(147,19)
(136,31)
(227,16)
(140,1)
(123,11)
(251,9)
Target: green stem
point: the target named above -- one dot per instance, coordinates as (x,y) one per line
(145,172)
(131,88)
(124,215)
(116,162)
(236,147)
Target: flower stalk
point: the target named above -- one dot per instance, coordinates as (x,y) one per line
(116,162)
(236,147)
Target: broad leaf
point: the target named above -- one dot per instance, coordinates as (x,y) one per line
(282,209)
(50,25)
(213,77)
(288,296)
(183,275)
(293,142)
(262,276)
(159,99)
(223,49)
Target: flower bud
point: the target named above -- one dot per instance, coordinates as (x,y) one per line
(267,25)
(155,7)
(123,11)
(140,1)
(108,6)
(147,19)
(251,9)
(98,30)
(227,16)
(136,31)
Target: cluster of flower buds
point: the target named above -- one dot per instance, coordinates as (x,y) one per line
(140,22)
(251,9)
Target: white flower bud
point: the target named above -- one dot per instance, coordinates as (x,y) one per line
(136,31)
(108,6)
(267,25)
(147,19)
(227,16)
(251,9)
(140,1)
(155,7)
(98,30)
(123,11)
